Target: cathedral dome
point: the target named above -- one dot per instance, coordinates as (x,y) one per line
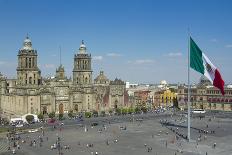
(101,79)
(82,49)
(27,45)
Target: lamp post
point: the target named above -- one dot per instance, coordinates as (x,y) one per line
(59,145)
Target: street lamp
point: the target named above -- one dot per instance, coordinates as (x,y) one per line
(59,145)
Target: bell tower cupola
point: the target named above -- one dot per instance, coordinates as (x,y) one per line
(28,72)
(82,71)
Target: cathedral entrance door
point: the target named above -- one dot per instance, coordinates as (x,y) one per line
(61,108)
(44,110)
(116,104)
(76,107)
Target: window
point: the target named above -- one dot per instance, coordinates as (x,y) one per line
(215,106)
(29,62)
(30,80)
(86,80)
(26,63)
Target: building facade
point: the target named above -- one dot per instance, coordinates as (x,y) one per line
(30,93)
(164,98)
(205,96)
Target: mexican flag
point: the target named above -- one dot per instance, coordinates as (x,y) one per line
(201,63)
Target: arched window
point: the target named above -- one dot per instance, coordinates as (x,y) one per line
(86,80)
(29,62)
(77,80)
(30,80)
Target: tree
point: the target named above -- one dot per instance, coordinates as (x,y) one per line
(61,116)
(124,111)
(137,110)
(131,110)
(88,114)
(110,111)
(144,109)
(95,113)
(70,114)
(103,113)
(51,115)
(118,111)
(40,116)
(30,118)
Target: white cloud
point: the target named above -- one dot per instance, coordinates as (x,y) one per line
(49,66)
(213,40)
(229,46)
(113,55)
(98,58)
(178,54)
(2,62)
(141,61)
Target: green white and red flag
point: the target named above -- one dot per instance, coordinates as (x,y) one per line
(201,63)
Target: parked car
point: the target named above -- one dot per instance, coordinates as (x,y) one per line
(94,124)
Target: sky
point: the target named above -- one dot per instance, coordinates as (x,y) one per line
(140,41)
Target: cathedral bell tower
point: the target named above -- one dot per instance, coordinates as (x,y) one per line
(28,73)
(82,71)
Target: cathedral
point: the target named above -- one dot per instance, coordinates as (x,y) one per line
(31,93)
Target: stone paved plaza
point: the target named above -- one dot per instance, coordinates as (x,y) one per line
(136,139)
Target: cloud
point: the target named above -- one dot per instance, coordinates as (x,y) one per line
(113,55)
(2,62)
(229,46)
(97,58)
(141,61)
(213,40)
(178,54)
(49,66)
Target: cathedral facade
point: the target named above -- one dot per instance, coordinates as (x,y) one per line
(30,93)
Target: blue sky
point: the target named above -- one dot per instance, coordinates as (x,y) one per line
(138,41)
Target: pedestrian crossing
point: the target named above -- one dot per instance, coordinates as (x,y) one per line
(3,145)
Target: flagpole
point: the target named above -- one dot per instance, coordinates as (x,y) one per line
(188,86)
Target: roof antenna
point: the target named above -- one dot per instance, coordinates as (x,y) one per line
(27,36)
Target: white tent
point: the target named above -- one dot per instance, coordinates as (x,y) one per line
(25,120)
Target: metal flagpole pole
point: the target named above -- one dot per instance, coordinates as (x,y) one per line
(188,86)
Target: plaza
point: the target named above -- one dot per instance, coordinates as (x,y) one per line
(138,134)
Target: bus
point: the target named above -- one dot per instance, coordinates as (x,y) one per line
(198,111)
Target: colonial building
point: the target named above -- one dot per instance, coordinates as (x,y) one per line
(205,96)
(164,98)
(30,93)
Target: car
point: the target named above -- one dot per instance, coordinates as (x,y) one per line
(94,124)
(33,130)
(19,125)
(51,120)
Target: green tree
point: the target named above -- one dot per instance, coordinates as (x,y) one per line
(137,110)
(118,111)
(103,113)
(40,116)
(70,114)
(131,110)
(30,118)
(95,113)
(61,116)
(124,111)
(51,115)
(88,114)
(110,111)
